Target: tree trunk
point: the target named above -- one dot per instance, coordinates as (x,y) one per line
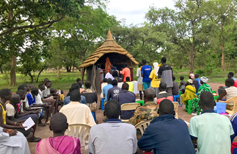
(31,77)
(68,69)
(58,71)
(223,61)
(191,60)
(1,70)
(222,48)
(37,80)
(13,72)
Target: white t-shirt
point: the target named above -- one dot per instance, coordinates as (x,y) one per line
(38,99)
(109,76)
(45,92)
(102,86)
(139,76)
(213,133)
(40,93)
(10,110)
(113,138)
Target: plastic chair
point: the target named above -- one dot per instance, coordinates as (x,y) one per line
(234,100)
(102,104)
(176,106)
(80,131)
(93,114)
(192,107)
(175,99)
(141,102)
(128,106)
(143,125)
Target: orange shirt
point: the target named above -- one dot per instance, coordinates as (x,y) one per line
(126,72)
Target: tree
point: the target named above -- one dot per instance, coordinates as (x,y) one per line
(28,17)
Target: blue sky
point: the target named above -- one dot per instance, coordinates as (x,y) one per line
(134,10)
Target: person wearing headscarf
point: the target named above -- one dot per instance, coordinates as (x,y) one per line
(192,76)
(190,92)
(155,81)
(204,86)
(107,65)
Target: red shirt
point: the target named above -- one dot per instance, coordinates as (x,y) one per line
(126,72)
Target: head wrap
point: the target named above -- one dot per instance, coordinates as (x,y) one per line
(204,79)
(192,76)
(190,81)
(156,68)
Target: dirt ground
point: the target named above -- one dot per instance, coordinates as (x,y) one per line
(44,132)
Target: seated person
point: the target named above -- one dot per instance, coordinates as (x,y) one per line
(120,83)
(80,85)
(126,97)
(77,113)
(5,95)
(195,84)
(198,80)
(175,89)
(75,86)
(147,112)
(103,84)
(204,86)
(210,131)
(182,84)
(161,137)
(13,142)
(109,75)
(46,92)
(31,97)
(114,91)
(106,89)
(59,143)
(131,84)
(91,97)
(190,92)
(114,136)
(163,94)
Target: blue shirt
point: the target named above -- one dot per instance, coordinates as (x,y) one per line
(146,70)
(67,100)
(167,135)
(126,97)
(31,99)
(105,91)
(198,82)
(233,121)
(234,78)
(113,92)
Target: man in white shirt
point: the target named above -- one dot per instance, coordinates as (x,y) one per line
(76,112)
(114,136)
(109,75)
(12,141)
(211,131)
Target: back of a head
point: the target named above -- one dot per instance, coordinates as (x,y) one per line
(78,79)
(58,123)
(196,75)
(21,87)
(75,96)
(231,74)
(140,64)
(104,80)
(80,84)
(181,77)
(207,100)
(125,65)
(229,82)
(173,78)
(88,84)
(46,80)
(34,91)
(114,82)
(75,86)
(163,60)
(4,93)
(109,81)
(166,107)
(163,86)
(150,94)
(15,99)
(112,109)
(40,85)
(21,92)
(125,86)
(127,79)
(144,61)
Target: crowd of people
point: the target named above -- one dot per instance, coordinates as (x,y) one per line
(207,133)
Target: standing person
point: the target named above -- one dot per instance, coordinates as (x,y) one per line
(139,80)
(106,89)
(182,84)
(192,76)
(126,97)
(166,73)
(113,136)
(109,75)
(155,81)
(59,143)
(145,73)
(101,72)
(126,73)
(175,89)
(198,80)
(107,65)
(210,131)
(115,73)
(161,137)
(113,92)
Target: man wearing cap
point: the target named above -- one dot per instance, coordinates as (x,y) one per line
(204,86)
(192,76)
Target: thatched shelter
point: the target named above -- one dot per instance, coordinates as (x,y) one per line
(117,55)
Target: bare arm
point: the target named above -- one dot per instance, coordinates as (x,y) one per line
(222,95)
(7,121)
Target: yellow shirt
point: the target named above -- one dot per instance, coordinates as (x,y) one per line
(131,85)
(78,113)
(155,81)
(4,114)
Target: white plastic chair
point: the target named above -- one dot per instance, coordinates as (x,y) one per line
(80,131)
(127,107)
(176,106)
(143,125)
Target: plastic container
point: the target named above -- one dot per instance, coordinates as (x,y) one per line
(220,107)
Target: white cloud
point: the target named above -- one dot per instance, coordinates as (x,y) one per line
(134,10)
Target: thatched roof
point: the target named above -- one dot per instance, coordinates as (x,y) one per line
(110,46)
